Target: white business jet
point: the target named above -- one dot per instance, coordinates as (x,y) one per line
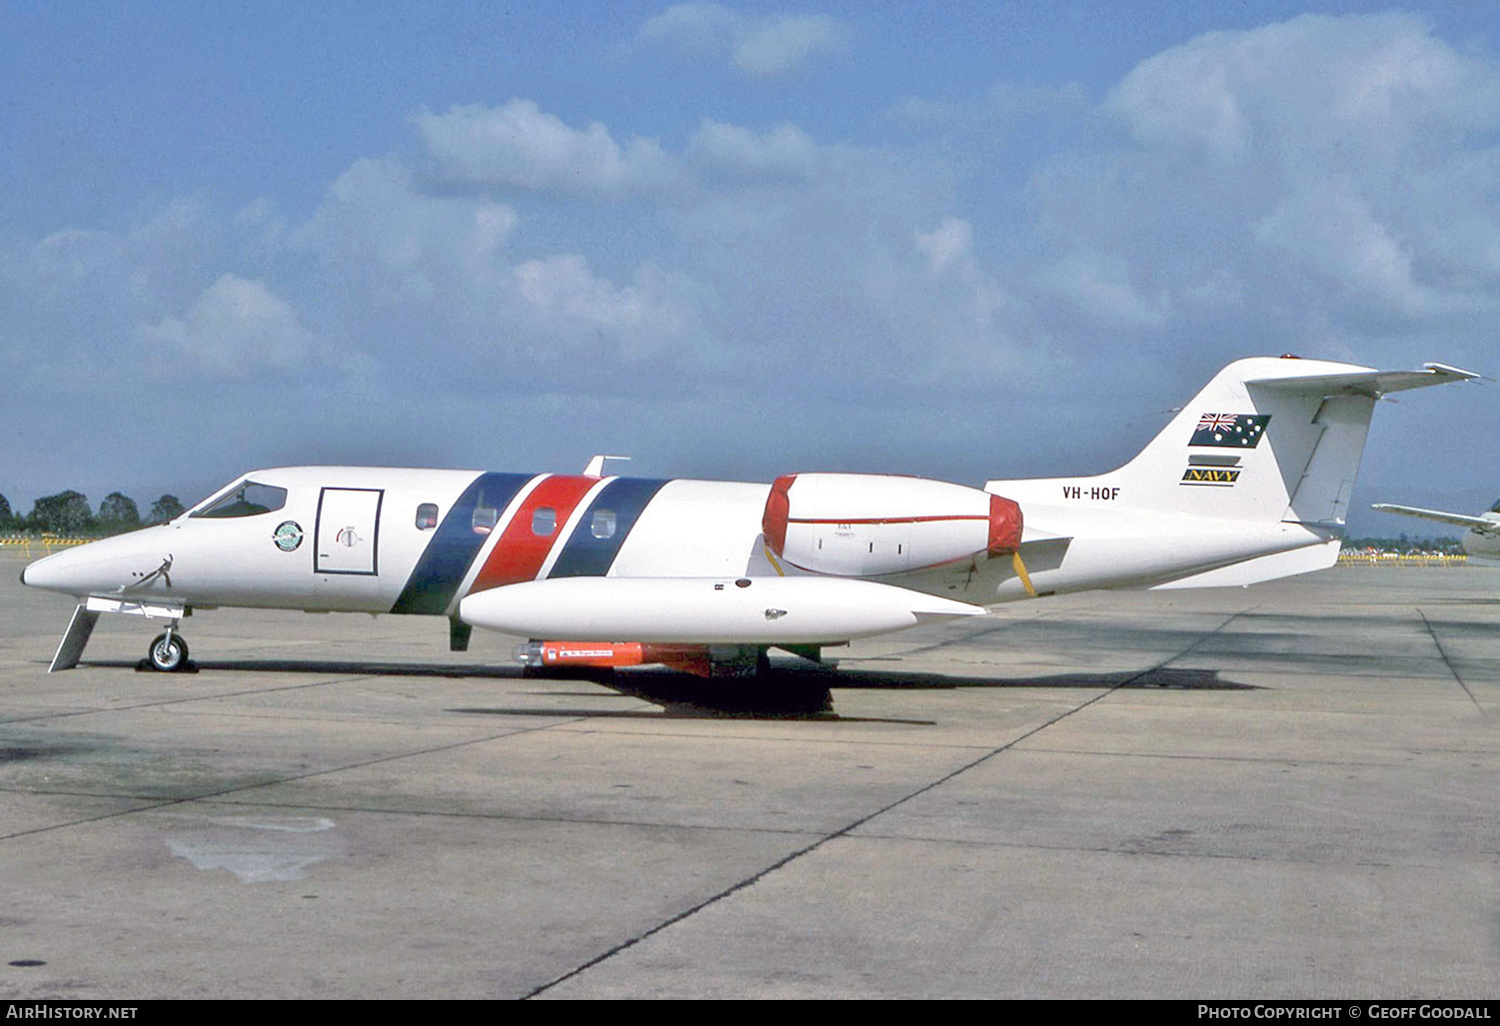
(1249,482)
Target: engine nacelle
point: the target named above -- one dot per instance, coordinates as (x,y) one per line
(865,525)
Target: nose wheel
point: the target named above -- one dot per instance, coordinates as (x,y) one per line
(168,653)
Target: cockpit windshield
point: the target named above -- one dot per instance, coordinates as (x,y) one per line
(246,499)
(1496,507)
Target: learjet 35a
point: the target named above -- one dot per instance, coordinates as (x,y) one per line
(1248,482)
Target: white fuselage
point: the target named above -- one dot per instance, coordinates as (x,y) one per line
(382,540)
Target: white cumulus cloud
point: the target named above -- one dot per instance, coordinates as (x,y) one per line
(950,244)
(1326,170)
(236,327)
(762,46)
(561,296)
(780,44)
(411,272)
(1099,285)
(783,151)
(376,220)
(520,146)
(1313,88)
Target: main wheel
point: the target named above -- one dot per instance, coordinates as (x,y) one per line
(168,653)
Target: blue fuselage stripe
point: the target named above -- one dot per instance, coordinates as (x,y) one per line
(586,554)
(454,544)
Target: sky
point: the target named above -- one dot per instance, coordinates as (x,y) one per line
(959,240)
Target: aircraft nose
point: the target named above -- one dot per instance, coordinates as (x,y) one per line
(44,573)
(76,571)
(101,567)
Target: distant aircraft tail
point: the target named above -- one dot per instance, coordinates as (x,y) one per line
(1275,439)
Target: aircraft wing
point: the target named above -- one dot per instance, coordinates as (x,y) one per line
(1371,383)
(1479,524)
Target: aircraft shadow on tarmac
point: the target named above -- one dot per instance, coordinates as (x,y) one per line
(808,694)
(802,692)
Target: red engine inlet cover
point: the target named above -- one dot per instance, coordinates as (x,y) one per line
(1005,526)
(778,509)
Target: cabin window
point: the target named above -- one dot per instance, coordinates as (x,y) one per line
(484,519)
(246,499)
(543,521)
(427,516)
(603,523)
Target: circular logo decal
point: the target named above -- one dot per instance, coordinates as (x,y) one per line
(288,535)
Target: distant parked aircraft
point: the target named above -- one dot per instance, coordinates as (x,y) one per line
(1481,540)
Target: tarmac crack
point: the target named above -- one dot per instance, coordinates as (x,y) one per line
(240,788)
(180,701)
(505,817)
(1255,760)
(861,821)
(1448,663)
(1144,852)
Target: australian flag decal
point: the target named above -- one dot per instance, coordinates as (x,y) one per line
(1231,430)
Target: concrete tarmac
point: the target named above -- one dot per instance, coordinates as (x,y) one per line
(1282,791)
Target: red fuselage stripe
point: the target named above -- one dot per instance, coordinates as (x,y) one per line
(886,520)
(520,553)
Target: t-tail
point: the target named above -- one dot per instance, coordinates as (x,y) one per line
(1250,481)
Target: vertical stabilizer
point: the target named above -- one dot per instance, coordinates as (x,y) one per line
(1268,439)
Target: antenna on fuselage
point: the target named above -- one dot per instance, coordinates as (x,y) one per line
(596,465)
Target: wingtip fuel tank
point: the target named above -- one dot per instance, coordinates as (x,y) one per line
(744,610)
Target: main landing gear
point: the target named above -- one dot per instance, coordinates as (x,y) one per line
(168,653)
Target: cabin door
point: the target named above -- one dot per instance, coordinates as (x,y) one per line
(348,531)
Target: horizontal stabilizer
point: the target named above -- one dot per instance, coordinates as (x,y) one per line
(1480,524)
(1368,383)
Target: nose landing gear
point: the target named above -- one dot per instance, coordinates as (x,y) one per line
(168,653)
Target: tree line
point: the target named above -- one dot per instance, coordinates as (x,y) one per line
(69,514)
